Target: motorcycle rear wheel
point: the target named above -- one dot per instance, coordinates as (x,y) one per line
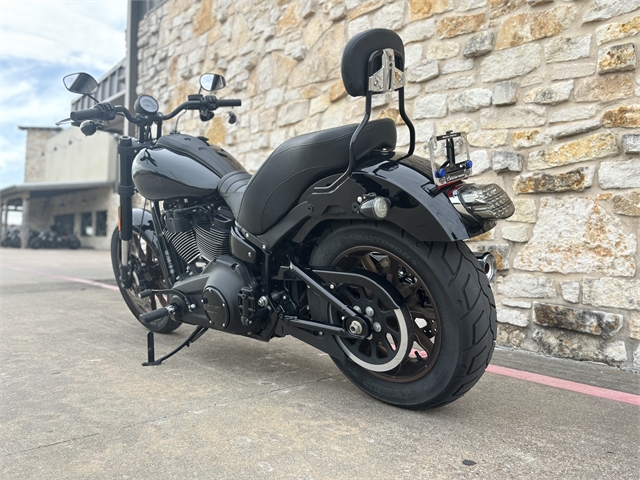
(451,305)
(147,275)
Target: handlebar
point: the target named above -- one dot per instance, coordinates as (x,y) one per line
(105,111)
(189,105)
(88,114)
(203,103)
(229,103)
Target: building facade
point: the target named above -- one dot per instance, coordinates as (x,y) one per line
(69,179)
(546,91)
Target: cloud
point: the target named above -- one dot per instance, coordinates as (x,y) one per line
(11,160)
(30,102)
(12,156)
(87,34)
(40,42)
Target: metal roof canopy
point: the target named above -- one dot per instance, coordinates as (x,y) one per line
(46,189)
(27,127)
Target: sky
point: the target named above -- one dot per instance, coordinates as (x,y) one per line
(41,41)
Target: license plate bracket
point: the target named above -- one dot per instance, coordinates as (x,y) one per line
(449,170)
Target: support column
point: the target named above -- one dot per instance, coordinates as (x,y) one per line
(5,220)
(133,18)
(24,230)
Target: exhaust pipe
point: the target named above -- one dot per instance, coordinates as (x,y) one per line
(488,265)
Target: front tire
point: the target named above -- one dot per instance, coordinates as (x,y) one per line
(451,304)
(148,275)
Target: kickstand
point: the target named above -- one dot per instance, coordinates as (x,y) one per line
(151,352)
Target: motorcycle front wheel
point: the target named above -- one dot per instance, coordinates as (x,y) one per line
(147,274)
(452,313)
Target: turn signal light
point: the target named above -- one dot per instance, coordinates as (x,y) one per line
(376,208)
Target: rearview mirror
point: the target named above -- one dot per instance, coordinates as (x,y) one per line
(82,83)
(212,82)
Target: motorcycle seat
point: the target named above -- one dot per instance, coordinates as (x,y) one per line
(231,188)
(258,202)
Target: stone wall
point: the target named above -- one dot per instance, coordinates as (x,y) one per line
(35,155)
(547,92)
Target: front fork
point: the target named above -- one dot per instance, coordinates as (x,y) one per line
(127,150)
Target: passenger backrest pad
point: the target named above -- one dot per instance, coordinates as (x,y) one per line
(355,58)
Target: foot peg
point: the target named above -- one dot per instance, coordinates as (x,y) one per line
(157,314)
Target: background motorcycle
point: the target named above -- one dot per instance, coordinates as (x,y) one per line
(52,239)
(13,239)
(336,239)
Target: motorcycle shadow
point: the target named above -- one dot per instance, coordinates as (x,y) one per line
(286,364)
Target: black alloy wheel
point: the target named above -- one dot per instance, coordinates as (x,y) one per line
(146,274)
(453,318)
(425,338)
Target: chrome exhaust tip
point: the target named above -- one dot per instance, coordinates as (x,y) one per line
(488,265)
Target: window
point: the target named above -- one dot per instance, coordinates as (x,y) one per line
(86,226)
(101,224)
(146,6)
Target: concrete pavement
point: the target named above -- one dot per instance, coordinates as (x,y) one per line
(75,402)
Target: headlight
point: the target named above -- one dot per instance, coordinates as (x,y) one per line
(482,202)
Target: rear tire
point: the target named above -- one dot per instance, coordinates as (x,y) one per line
(451,292)
(149,277)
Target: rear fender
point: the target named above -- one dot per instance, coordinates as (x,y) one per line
(419,208)
(417,205)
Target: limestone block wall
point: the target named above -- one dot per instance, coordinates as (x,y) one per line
(546,91)
(35,155)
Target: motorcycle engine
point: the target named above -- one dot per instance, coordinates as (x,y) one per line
(197,234)
(222,286)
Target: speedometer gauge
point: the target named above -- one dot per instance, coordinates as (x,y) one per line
(146,104)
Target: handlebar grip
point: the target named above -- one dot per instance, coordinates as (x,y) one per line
(88,114)
(229,103)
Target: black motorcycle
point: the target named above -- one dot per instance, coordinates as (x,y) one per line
(52,239)
(336,240)
(13,238)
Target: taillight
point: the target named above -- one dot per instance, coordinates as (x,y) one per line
(482,202)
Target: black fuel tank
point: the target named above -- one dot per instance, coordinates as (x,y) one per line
(181,166)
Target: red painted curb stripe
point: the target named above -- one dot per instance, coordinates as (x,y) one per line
(68,279)
(566,385)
